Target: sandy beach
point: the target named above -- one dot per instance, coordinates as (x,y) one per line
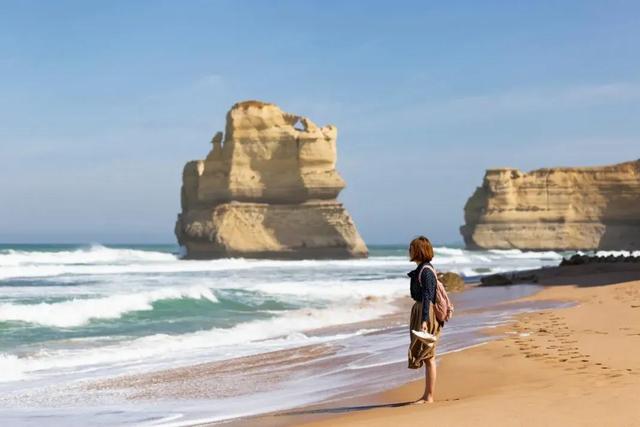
(570,366)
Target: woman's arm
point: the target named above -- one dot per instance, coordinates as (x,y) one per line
(428,282)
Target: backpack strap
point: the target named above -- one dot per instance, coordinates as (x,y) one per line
(425,265)
(433,269)
(430,267)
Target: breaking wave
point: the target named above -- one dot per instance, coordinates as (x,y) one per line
(284,331)
(78,312)
(101,260)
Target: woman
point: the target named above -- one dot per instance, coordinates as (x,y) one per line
(422,315)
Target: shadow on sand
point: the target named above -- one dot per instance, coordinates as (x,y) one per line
(344,409)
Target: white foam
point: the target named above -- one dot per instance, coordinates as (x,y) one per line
(158,350)
(100,260)
(93,283)
(442,251)
(78,312)
(518,254)
(94,254)
(335,290)
(11,368)
(617,253)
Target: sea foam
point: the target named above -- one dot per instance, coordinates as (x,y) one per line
(78,312)
(93,254)
(154,351)
(263,305)
(101,260)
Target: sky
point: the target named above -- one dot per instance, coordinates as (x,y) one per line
(102,103)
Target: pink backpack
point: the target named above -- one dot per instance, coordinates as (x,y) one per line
(443,308)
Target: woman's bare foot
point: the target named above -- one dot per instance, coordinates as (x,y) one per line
(427,398)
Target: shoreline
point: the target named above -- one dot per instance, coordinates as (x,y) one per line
(343,368)
(363,372)
(209,360)
(555,366)
(345,365)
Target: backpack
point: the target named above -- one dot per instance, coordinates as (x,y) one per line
(442,308)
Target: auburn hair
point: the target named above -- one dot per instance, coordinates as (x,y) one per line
(420,250)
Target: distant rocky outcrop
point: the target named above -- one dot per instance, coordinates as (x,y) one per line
(582,259)
(608,263)
(504,279)
(557,208)
(452,282)
(267,188)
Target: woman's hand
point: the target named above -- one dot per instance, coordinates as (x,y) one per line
(424,326)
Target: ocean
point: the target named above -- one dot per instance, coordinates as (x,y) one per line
(76,315)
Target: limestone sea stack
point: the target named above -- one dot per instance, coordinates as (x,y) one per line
(267,189)
(583,208)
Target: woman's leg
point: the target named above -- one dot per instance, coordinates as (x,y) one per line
(430,379)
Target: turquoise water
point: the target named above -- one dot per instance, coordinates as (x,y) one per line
(76,313)
(75,306)
(233,305)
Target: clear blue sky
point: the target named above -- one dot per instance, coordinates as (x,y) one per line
(103,102)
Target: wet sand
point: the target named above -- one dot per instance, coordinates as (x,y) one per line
(330,371)
(574,365)
(570,366)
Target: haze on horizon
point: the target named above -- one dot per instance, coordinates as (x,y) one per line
(103,103)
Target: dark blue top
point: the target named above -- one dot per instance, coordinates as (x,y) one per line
(423,288)
(428,286)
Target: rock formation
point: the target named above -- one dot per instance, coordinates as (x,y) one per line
(453,282)
(557,208)
(582,259)
(267,189)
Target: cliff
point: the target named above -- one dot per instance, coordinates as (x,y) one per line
(268,188)
(556,208)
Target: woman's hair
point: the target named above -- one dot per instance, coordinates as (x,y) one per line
(420,249)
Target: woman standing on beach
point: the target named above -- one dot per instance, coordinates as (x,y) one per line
(423,314)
